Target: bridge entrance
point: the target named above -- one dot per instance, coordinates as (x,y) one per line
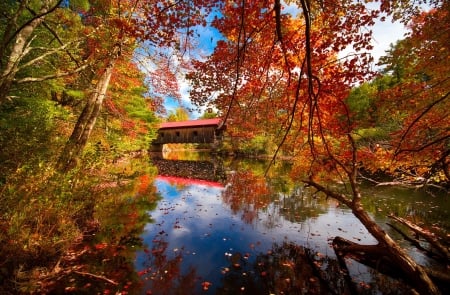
(192,131)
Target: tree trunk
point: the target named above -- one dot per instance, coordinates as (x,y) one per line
(419,279)
(86,121)
(19,49)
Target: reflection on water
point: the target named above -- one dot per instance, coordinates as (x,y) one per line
(234,231)
(188,169)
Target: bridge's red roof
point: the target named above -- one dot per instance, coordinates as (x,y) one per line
(191,123)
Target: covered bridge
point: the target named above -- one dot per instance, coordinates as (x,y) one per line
(192,131)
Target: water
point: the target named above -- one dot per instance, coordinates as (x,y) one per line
(221,227)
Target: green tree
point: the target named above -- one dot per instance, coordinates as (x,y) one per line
(36,41)
(180,114)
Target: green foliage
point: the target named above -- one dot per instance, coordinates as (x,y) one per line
(27,132)
(44,212)
(261,144)
(40,212)
(370,135)
(361,100)
(79,5)
(209,115)
(137,108)
(366,104)
(180,114)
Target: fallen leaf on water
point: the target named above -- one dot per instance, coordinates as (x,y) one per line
(206,285)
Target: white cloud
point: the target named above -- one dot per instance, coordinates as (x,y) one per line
(384,34)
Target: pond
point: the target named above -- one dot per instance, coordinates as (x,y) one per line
(222,227)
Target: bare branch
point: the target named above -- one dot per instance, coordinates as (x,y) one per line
(38,16)
(424,112)
(53,76)
(96,277)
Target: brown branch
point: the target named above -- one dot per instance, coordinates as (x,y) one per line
(340,197)
(31,20)
(413,241)
(96,277)
(53,76)
(399,151)
(291,121)
(374,256)
(239,58)
(277,8)
(424,112)
(53,32)
(48,53)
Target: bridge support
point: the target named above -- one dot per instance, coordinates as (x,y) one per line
(156,147)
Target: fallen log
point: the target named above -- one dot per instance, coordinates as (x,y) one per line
(429,237)
(413,241)
(374,256)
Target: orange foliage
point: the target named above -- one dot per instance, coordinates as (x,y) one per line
(279,73)
(420,99)
(248,193)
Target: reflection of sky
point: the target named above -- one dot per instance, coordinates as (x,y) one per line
(195,222)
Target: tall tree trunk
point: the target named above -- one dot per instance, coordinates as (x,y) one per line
(86,121)
(20,46)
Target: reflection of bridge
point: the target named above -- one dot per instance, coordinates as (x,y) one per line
(194,170)
(193,131)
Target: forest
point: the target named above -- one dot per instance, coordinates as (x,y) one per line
(82,89)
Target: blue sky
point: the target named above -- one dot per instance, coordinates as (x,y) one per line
(384,34)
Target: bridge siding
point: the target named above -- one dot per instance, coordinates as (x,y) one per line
(193,131)
(186,135)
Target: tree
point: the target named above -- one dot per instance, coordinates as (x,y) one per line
(179,114)
(38,33)
(158,23)
(420,99)
(280,69)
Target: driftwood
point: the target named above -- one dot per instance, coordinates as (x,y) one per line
(429,237)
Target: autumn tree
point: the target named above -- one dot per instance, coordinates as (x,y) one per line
(282,69)
(128,111)
(38,36)
(420,98)
(156,24)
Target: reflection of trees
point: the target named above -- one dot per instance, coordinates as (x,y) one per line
(205,170)
(285,269)
(300,204)
(292,269)
(103,260)
(248,193)
(163,271)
